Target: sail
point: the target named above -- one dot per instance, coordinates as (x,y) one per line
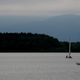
(69,56)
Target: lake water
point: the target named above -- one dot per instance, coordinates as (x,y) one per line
(39,66)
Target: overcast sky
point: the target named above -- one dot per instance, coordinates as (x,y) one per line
(39,7)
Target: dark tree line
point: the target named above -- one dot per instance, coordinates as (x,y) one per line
(28,42)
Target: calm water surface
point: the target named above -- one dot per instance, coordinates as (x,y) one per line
(39,66)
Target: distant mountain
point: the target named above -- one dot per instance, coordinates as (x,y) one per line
(61,27)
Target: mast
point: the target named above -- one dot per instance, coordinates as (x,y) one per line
(69,56)
(69,48)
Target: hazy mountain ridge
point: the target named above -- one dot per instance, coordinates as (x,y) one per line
(61,27)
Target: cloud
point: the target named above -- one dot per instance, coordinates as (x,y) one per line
(39,7)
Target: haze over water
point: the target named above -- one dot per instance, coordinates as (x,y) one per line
(39,66)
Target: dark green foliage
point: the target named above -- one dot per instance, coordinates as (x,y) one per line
(75,47)
(28,42)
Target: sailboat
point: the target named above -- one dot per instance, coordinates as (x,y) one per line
(69,55)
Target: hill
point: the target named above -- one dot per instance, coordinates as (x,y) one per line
(62,27)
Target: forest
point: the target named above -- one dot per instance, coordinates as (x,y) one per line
(29,42)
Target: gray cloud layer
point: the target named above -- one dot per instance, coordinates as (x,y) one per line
(39,7)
